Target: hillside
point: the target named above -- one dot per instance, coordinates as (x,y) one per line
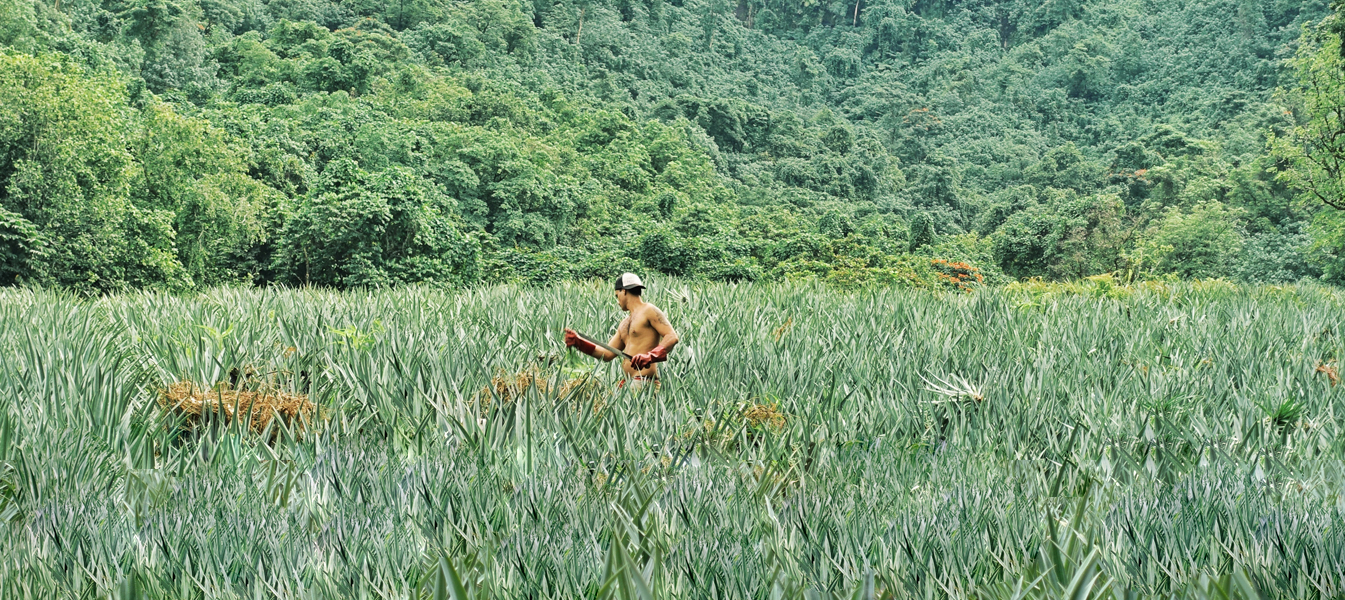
(180,144)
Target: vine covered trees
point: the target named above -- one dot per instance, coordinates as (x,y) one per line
(186,143)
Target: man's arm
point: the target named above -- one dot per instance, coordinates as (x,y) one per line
(618,341)
(667,339)
(573,340)
(667,335)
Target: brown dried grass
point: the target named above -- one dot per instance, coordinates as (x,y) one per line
(260,403)
(506,387)
(581,388)
(1331,371)
(761,415)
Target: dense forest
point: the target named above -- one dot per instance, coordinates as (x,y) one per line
(178,144)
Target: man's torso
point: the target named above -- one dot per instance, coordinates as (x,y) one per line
(638,332)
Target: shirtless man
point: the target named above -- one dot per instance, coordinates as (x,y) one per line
(645,334)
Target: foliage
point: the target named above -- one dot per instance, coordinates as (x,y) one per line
(1314,148)
(1200,244)
(1066,236)
(922,232)
(362,229)
(66,176)
(544,140)
(1095,439)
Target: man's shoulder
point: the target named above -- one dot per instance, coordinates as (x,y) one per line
(653,314)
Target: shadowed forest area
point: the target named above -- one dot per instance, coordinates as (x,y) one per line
(177,144)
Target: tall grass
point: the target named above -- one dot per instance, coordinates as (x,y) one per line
(1174,440)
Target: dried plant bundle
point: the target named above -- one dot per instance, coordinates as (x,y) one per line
(257,403)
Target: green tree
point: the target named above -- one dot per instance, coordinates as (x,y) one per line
(1200,244)
(191,170)
(175,51)
(1065,168)
(375,229)
(1315,147)
(664,251)
(1067,236)
(65,183)
(921,232)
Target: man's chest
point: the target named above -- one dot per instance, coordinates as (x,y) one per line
(638,325)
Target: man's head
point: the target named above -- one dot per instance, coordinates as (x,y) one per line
(628,290)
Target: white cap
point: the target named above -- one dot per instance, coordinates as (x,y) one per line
(628,281)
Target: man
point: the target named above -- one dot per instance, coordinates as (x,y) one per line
(645,334)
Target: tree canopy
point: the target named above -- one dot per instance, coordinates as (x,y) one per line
(177,144)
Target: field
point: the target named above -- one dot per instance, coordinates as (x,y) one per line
(1038,441)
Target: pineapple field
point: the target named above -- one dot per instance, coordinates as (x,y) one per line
(1036,441)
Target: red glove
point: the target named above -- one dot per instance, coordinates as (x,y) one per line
(573,340)
(642,361)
